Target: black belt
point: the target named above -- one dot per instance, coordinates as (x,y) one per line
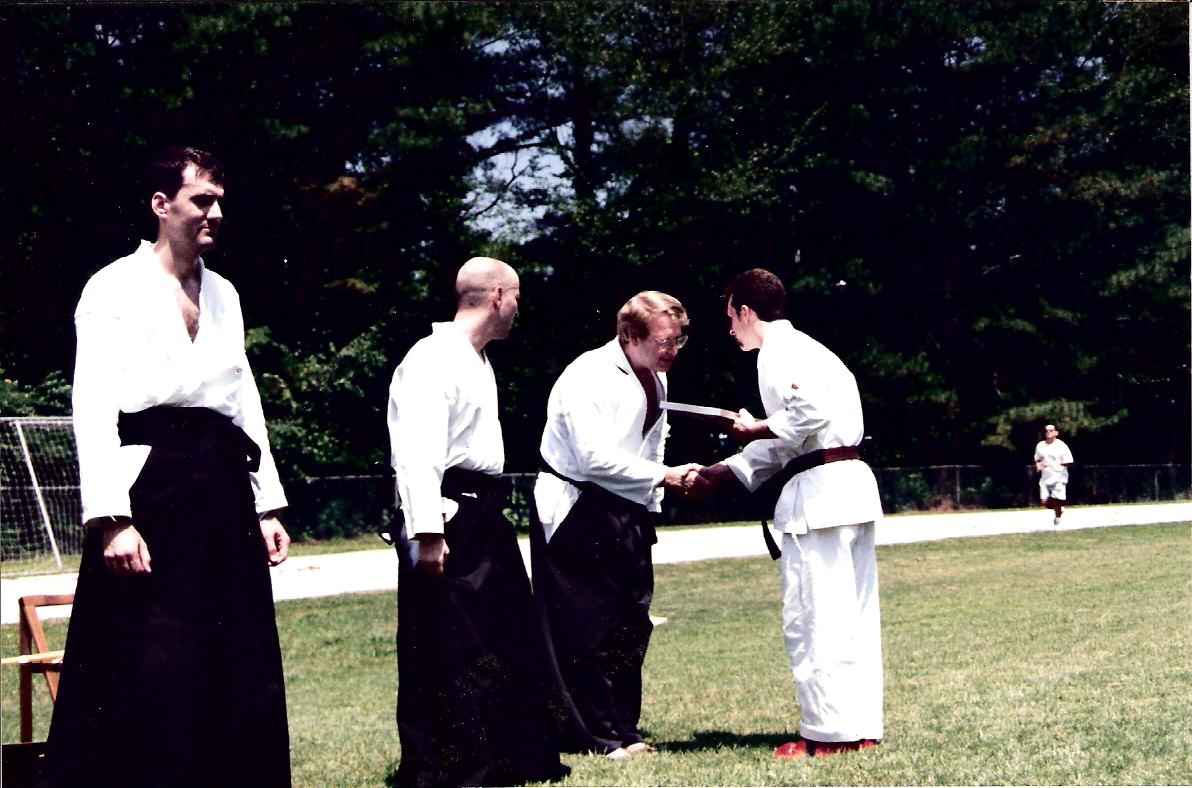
(546,467)
(770,490)
(185,428)
(458,482)
(463,486)
(585,486)
(609,498)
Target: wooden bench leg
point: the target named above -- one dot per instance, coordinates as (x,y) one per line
(26,690)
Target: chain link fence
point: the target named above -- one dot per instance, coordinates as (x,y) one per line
(323,508)
(40,512)
(953,487)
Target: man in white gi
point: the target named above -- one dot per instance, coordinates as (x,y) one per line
(1052,458)
(826,513)
(603,477)
(471,705)
(173,671)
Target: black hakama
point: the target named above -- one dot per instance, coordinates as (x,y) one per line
(471,703)
(593,582)
(175,677)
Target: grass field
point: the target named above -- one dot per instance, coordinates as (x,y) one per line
(1048,658)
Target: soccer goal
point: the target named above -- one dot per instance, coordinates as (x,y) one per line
(40,511)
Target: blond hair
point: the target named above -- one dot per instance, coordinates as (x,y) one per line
(633,319)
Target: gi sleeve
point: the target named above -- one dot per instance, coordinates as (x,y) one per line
(105,472)
(266,485)
(418,418)
(758,461)
(801,414)
(250,416)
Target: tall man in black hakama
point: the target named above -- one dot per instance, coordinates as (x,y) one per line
(173,673)
(471,706)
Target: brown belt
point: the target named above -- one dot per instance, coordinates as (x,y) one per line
(770,490)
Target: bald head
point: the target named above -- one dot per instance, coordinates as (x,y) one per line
(487,293)
(477,278)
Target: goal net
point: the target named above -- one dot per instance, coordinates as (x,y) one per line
(40,511)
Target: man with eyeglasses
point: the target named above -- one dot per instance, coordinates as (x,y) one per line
(602,478)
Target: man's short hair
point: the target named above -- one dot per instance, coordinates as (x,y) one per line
(164,169)
(633,319)
(761,291)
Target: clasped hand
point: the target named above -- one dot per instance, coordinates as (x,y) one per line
(746,428)
(688,481)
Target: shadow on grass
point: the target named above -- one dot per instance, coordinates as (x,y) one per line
(700,740)
(391,778)
(714,740)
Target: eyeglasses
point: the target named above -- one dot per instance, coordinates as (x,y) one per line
(674,342)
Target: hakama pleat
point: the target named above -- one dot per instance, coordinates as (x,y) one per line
(471,706)
(175,677)
(594,581)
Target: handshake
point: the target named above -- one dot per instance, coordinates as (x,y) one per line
(695,482)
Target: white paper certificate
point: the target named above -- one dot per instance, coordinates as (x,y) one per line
(699,410)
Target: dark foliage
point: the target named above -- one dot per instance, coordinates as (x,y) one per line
(982,207)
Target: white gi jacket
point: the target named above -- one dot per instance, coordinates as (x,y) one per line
(134,353)
(594,421)
(811,402)
(442,414)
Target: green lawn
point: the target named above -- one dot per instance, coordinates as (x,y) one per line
(1048,658)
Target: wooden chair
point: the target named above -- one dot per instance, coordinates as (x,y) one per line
(35,656)
(23,762)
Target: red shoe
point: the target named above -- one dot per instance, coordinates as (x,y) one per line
(792,750)
(822,749)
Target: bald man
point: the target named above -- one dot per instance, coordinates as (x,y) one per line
(471,706)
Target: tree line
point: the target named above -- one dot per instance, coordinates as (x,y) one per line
(982,207)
